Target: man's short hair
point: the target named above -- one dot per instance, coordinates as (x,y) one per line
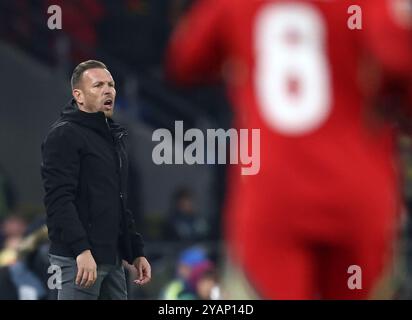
(82,67)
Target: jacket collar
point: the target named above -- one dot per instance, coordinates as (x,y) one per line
(96,121)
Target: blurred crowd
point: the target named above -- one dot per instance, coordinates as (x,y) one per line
(90,25)
(190,270)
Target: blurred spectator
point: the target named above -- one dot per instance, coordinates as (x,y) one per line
(26,278)
(80,19)
(135,31)
(12,229)
(203,282)
(185,224)
(180,288)
(15,21)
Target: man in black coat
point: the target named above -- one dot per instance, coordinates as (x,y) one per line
(84,171)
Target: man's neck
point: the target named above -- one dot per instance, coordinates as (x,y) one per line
(84,109)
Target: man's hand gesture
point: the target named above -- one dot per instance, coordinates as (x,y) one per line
(86,269)
(144,272)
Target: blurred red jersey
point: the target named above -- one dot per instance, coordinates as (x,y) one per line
(299,72)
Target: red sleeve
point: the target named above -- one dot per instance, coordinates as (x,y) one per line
(388,34)
(195,50)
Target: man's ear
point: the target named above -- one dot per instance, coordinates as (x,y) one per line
(78,96)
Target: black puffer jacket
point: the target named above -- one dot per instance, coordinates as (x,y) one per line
(84,172)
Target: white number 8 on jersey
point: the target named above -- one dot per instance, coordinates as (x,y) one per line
(292,73)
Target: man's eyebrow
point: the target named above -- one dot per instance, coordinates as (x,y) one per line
(101,82)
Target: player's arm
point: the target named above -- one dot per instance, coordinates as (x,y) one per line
(387,33)
(195,50)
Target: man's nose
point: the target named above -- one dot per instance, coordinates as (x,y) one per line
(108,90)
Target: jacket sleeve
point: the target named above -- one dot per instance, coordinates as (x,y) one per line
(135,237)
(60,171)
(138,246)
